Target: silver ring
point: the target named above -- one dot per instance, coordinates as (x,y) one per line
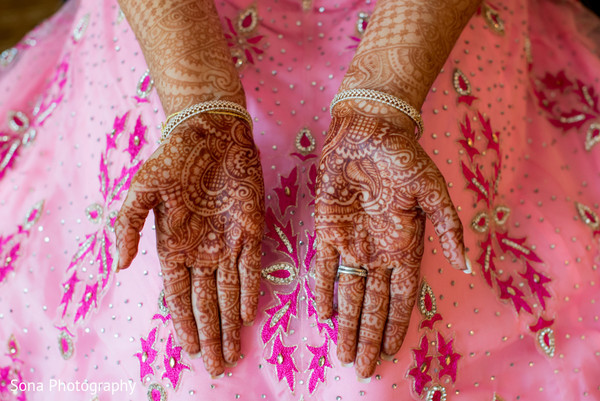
(352,270)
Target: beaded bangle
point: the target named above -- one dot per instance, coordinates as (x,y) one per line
(211,106)
(369,94)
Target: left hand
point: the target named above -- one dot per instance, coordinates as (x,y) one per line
(375,186)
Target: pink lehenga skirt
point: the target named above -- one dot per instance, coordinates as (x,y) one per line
(513,122)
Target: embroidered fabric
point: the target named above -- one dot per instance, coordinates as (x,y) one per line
(513,123)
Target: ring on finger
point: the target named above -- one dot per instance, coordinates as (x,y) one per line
(352,270)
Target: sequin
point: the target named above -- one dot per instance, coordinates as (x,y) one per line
(34,215)
(81,27)
(247,20)
(362,22)
(280,273)
(592,136)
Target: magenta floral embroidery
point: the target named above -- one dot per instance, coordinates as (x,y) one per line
(172,361)
(288,191)
(83,292)
(318,363)
(282,359)
(280,315)
(10,244)
(423,361)
(521,289)
(448,359)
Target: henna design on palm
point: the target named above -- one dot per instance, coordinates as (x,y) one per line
(206,188)
(375,187)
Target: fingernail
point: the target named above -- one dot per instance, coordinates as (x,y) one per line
(115,266)
(363,379)
(248,324)
(230,364)
(347,365)
(196,355)
(386,357)
(469,270)
(218,377)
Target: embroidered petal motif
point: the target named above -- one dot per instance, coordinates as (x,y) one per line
(545,339)
(436,393)
(419,372)
(288,191)
(247,20)
(469,142)
(156,392)
(280,273)
(427,305)
(65,344)
(319,362)
(588,216)
(81,27)
(509,291)
(173,366)
(536,281)
(18,121)
(34,215)
(362,22)
(89,297)
(501,214)
(492,18)
(305,141)
(480,222)
(94,212)
(477,183)
(13,347)
(282,359)
(148,354)
(280,314)
(516,246)
(448,359)
(145,85)
(592,137)
(461,83)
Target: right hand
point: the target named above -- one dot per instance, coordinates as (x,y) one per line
(205,185)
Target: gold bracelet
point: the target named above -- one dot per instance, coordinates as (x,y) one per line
(212,106)
(381,97)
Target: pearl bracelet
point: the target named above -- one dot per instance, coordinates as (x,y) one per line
(211,106)
(369,94)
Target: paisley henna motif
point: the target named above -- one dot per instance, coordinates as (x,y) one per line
(374,188)
(206,189)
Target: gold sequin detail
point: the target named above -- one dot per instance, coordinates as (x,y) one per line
(589,217)
(425,293)
(288,267)
(592,137)
(545,339)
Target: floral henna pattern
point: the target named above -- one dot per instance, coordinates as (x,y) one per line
(375,186)
(206,189)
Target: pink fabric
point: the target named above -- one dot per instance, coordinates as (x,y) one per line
(513,122)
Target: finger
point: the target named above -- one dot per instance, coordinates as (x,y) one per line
(177,283)
(403,293)
(351,291)
(249,274)
(327,261)
(130,221)
(228,284)
(206,307)
(435,201)
(372,322)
